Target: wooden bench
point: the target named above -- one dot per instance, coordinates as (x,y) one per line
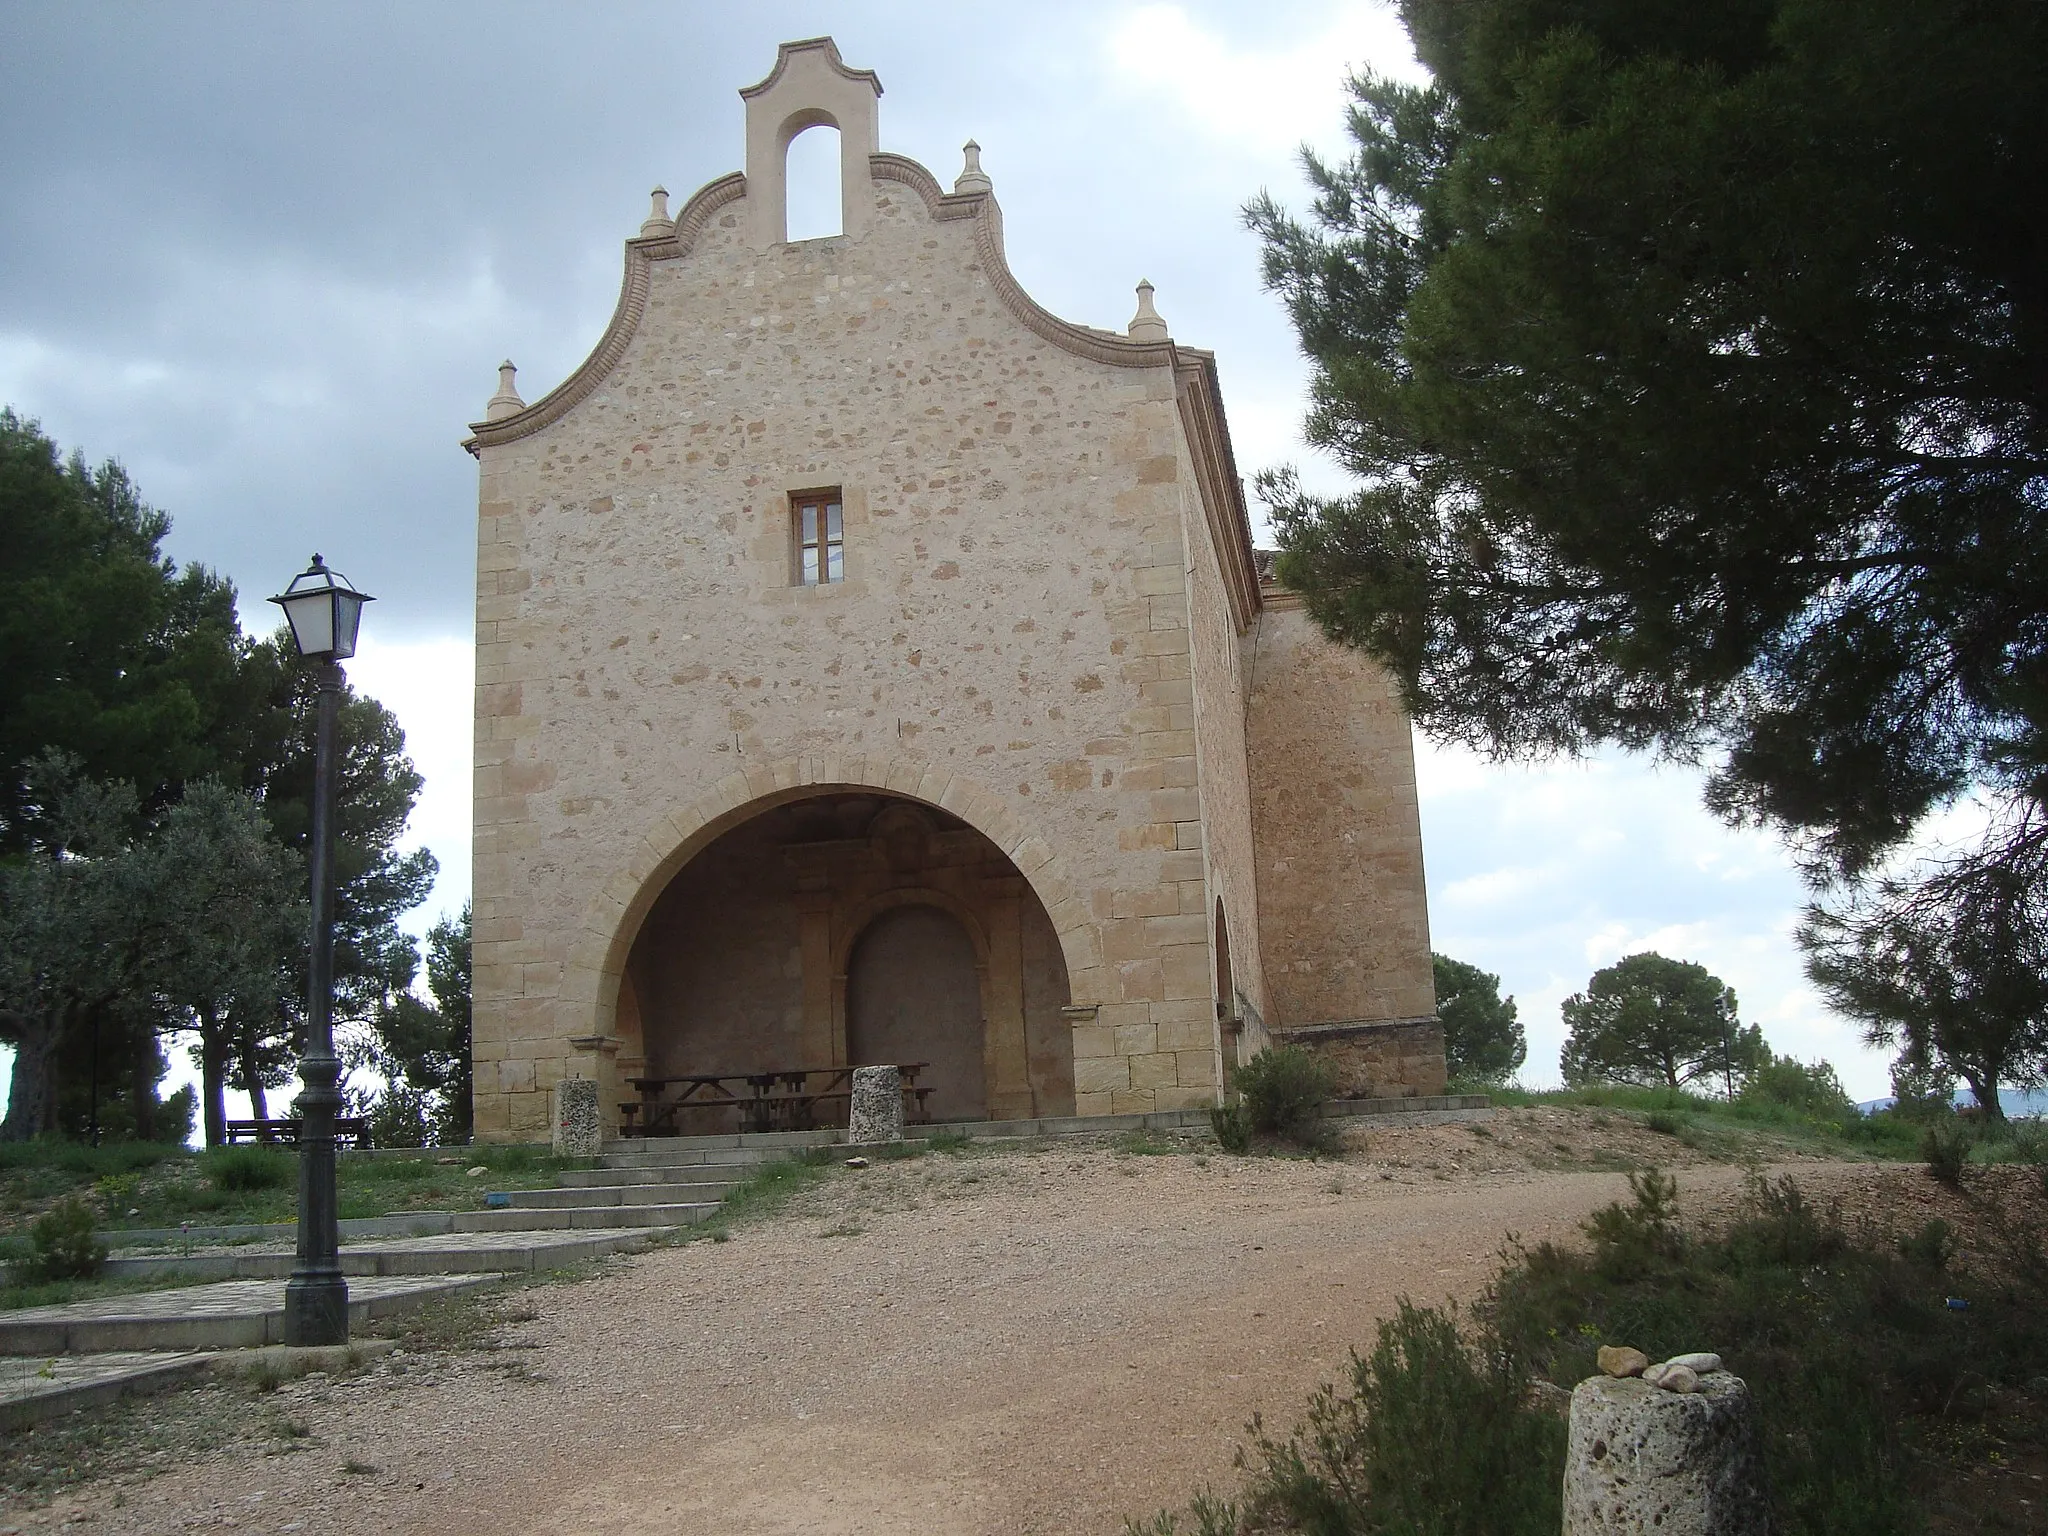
(347,1128)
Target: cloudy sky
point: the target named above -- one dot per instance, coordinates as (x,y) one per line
(269,256)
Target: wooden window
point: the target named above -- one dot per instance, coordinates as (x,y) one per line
(816,521)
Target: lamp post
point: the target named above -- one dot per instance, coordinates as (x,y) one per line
(324,612)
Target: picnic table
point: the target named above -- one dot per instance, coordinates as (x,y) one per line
(784,1099)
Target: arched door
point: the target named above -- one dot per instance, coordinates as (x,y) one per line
(913,994)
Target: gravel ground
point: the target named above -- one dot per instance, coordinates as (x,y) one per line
(1041,1341)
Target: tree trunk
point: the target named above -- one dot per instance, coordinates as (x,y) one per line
(142,1085)
(32,1098)
(213,1078)
(252,1073)
(1984,1085)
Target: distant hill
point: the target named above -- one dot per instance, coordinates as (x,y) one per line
(2018,1104)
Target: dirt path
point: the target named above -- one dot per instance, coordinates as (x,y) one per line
(1034,1342)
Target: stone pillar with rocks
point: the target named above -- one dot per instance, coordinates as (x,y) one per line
(578,1125)
(1669,1448)
(875,1106)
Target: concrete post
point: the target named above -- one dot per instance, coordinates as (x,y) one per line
(875,1107)
(1649,1459)
(578,1127)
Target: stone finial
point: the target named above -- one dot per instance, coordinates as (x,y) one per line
(657,222)
(1145,324)
(506,401)
(973,178)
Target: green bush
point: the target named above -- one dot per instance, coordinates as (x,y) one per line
(1814,1092)
(1433,1437)
(1945,1149)
(1630,1241)
(247,1169)
(1283,1090)
(1233,1127)
(1931,1247)
(65,1247)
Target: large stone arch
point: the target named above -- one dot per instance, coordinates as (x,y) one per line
(612,919)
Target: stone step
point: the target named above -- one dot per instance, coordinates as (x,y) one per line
(678,1154)
(517,1252)
(722,1174)
(231,1314)
(568,1218)
(612,1195)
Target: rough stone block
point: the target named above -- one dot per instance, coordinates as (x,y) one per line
(875,1110)
(1101,1074)
(1643,1459)
(578,1126)
(1154,1071)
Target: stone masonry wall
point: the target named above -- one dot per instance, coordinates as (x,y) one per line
(1343,916)
(1401,1059)
(1220,749)
(1011,638)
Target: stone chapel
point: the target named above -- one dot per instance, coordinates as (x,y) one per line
(873,666)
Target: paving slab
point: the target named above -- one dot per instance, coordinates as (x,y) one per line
(35,1388)
(457,1253)
(229,1314)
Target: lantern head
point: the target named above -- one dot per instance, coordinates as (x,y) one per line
(324,612)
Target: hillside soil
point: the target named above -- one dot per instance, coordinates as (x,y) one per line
(992,1342)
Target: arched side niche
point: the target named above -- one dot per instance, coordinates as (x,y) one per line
(734,955)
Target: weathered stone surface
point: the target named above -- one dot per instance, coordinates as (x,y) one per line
(1703,1361)
(1672,1377)
(876,1112)
(1338,836)
(1620,1360)
(578,1127)
(1642,1460)
(1392,1059)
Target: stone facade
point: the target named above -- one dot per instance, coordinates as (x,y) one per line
(1049,651)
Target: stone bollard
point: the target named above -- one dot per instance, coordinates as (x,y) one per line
(578,1127)
(876,1106)
(1673,1461)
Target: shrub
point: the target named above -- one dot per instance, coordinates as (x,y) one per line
(64,1245)
(1283,1090)
(1664,1123)
(246,1169)
(400,1116)
(1434,1437)
(1787,1083)
(1945,1149)
(1931,1247)
(1631,1240)
(1233,1127)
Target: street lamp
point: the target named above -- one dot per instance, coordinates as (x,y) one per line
(324,611)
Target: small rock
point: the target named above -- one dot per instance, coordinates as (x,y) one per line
(1672,1377)
(449,1162)
(1620,1360)
(1702,1362)
(856,1162)
(475,1173)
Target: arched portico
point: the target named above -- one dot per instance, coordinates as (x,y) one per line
(945,844)
(597,953)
